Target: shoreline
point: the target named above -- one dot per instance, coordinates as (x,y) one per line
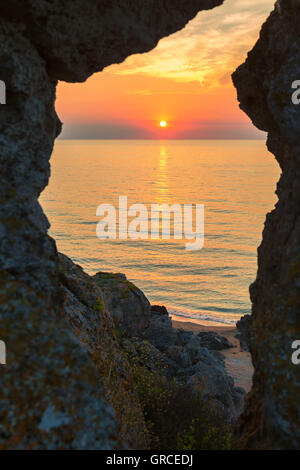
(203,323)
(237,362)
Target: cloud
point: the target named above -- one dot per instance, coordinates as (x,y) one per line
(208,50)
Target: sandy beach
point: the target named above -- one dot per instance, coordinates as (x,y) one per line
(238,362)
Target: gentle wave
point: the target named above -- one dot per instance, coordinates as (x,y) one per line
(190,316)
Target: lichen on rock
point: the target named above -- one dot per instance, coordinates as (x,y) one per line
(264,84)
(85,309)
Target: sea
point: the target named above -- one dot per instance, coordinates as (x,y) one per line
(235,181)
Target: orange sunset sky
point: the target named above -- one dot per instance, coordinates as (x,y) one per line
(184,81)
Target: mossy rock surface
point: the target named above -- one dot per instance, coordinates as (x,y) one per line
(85,309)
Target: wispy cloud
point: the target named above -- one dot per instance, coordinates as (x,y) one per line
(186,81)
(207,50)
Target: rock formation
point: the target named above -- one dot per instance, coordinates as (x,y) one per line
(107,307)
(50,388)
(264,84)
(127,304)
(50,394)
(243,325)
(93,316)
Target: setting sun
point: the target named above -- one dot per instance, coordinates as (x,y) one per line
(163,124)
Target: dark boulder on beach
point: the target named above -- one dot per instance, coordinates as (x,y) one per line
(243,325)
(159,310)
(214,341)
(193,360)
(127,304)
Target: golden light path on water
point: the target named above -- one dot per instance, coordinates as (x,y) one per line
(235,180)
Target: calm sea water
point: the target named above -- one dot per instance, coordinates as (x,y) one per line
(235,180)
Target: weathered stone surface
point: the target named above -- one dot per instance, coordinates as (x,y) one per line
(209,377)
(264,81)
(214,341)
(176,354)
(243,325)
(127,304)
(187,360)
(93,325)
(159,310)
(77,38)
(49,394)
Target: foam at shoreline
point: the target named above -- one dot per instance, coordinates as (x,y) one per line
(200,319)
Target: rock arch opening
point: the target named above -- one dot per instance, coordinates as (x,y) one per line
(70,41)
(128,101)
